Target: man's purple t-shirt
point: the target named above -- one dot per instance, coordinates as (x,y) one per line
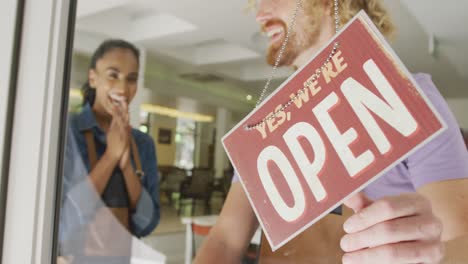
(444,158)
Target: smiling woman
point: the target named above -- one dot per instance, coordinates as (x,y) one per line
(111,181)
(120,162)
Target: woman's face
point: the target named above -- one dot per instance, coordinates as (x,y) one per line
(115,73)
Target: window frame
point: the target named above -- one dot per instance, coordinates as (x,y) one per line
(38,131)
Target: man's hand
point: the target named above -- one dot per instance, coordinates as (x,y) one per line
(394,230)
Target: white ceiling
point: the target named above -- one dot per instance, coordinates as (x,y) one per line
(447,21)
(220,37)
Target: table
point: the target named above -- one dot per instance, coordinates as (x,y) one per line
(206,221)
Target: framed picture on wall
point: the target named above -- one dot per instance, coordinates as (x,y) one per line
(164,136)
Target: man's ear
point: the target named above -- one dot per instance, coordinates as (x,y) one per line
(92,78)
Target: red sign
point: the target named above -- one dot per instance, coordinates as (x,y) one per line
(360,118)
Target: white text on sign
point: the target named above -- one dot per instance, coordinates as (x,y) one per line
(364,104)
(332,70)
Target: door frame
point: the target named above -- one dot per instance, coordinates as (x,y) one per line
(11,16)
(38,131)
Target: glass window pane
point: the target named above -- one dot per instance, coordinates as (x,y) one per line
(154,87)
(139,159)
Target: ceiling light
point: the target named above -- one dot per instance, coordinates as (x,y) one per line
(174,113)
(76,93)
(161,110)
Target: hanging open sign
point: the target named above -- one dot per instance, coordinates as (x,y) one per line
(361,117)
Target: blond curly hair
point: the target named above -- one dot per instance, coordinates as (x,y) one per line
(374,8)
(349,8)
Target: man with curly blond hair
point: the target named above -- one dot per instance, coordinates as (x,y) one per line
(416,212)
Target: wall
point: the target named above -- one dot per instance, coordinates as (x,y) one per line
(165,152)
(459,107)
(411,43)
(205,138)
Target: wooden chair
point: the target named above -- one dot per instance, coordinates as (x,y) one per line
(197,187)
(172,182)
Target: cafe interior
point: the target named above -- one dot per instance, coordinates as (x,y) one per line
(201,73)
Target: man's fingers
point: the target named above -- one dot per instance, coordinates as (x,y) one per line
(387,209)
(357,202)
(404,229)
(400,253)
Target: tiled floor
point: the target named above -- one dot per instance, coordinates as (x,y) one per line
(169,236)
(172,245)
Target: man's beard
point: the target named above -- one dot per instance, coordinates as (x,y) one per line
(303,36)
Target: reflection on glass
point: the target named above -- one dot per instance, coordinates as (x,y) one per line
(121,204)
